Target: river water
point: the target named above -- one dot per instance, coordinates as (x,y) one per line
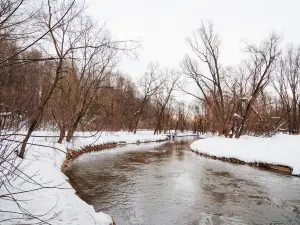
(167,184)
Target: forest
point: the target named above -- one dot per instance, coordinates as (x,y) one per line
(61,73)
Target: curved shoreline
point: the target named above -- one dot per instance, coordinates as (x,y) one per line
(271,167)
(74,154)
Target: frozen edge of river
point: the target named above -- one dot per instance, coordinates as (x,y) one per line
(280,152)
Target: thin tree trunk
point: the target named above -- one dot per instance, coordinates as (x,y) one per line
(294,114)
(24,143)
(158,123)
(176,127)
(136,123)
(130,125)
(298,125)
(244,120)
(70,134)
(62,134)
(32,127)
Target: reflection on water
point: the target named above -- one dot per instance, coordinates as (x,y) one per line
(162,184)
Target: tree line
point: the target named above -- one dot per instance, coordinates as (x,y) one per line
(58,69)
(260,96)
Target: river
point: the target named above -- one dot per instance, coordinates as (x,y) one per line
(167,184)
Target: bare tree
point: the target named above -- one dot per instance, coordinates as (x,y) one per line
(292,74)
(229,95)
(182,115)
(260,68)
(95,67)
(163,98)
(286,85)
(150,83)
(205,45)
(56,22)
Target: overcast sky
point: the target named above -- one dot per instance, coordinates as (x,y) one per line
(163,25)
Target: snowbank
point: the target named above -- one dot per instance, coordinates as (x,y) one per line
(278,150)
(87,138)
(43,165)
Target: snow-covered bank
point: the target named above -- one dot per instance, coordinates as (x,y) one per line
(60,204)
(278,150)
(86,138)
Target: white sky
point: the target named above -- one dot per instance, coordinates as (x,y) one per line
(163,25)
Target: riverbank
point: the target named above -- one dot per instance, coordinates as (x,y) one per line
(56,201)
(74,154)
(280,152)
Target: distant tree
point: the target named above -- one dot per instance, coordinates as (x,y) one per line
(164,96)
(260,67)
(150,83)
(205,45)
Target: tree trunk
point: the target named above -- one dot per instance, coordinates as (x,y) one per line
(136,123)
(195,127)
(24,143)
(176,126)
(70,134)
(72,129)
(62,134)
(32,127)
(158,123)
(294,115)
(232,129)
(298,125)
(130,125)
(244,120)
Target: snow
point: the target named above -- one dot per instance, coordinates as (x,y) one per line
(281,149)
(244,99)
(43,165)
(88,138)
(237,115)
(5,113)
(182,134)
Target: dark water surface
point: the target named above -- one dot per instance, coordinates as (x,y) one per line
(166,184)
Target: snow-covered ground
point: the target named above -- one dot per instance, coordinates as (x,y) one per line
(87,138)
(280,149)
(60,204)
